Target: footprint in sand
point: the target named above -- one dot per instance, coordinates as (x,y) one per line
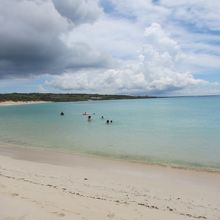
(111,215)
(14,194)
(59,214)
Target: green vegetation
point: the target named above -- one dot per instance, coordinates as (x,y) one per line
(68,97)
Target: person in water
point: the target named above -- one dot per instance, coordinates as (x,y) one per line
(61,113)
(102,117)
(111,121)
(89,118)
(107,122)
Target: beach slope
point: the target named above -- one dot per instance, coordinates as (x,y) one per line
(43,184)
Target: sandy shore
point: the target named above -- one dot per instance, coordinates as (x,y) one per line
(9,103)
(43,184)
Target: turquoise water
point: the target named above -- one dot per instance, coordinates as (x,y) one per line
(182,131)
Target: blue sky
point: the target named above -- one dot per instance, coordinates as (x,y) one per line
(144,47)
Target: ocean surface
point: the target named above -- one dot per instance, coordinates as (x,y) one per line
(177,131)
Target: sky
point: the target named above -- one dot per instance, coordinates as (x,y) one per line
(141,47)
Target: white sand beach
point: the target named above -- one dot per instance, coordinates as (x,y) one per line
(44,184)
(9,103)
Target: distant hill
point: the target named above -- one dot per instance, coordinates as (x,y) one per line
(68,97)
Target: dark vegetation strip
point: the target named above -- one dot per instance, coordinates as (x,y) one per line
(68,97)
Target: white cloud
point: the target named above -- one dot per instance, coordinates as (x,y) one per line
(155,72)
(41,89)
(189,22)
(157,38)
(122,37)
(201,13)
(118,37)
(105,50)
(143,11)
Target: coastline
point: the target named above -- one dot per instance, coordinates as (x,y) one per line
(10,103)
(17,151)
(69,186)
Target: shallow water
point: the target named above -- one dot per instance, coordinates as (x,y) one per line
(182,131)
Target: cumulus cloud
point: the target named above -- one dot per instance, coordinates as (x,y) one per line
(30,37)
(84,47)
(155,72)
(117,37)
(195,24)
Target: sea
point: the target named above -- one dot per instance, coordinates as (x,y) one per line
(177,131)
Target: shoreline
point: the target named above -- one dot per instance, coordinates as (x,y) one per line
(45,155)
(16,151)
(11,103)
(57,184)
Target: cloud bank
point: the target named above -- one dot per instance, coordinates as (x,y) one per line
(30,37)
(156,71)
(111,46)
